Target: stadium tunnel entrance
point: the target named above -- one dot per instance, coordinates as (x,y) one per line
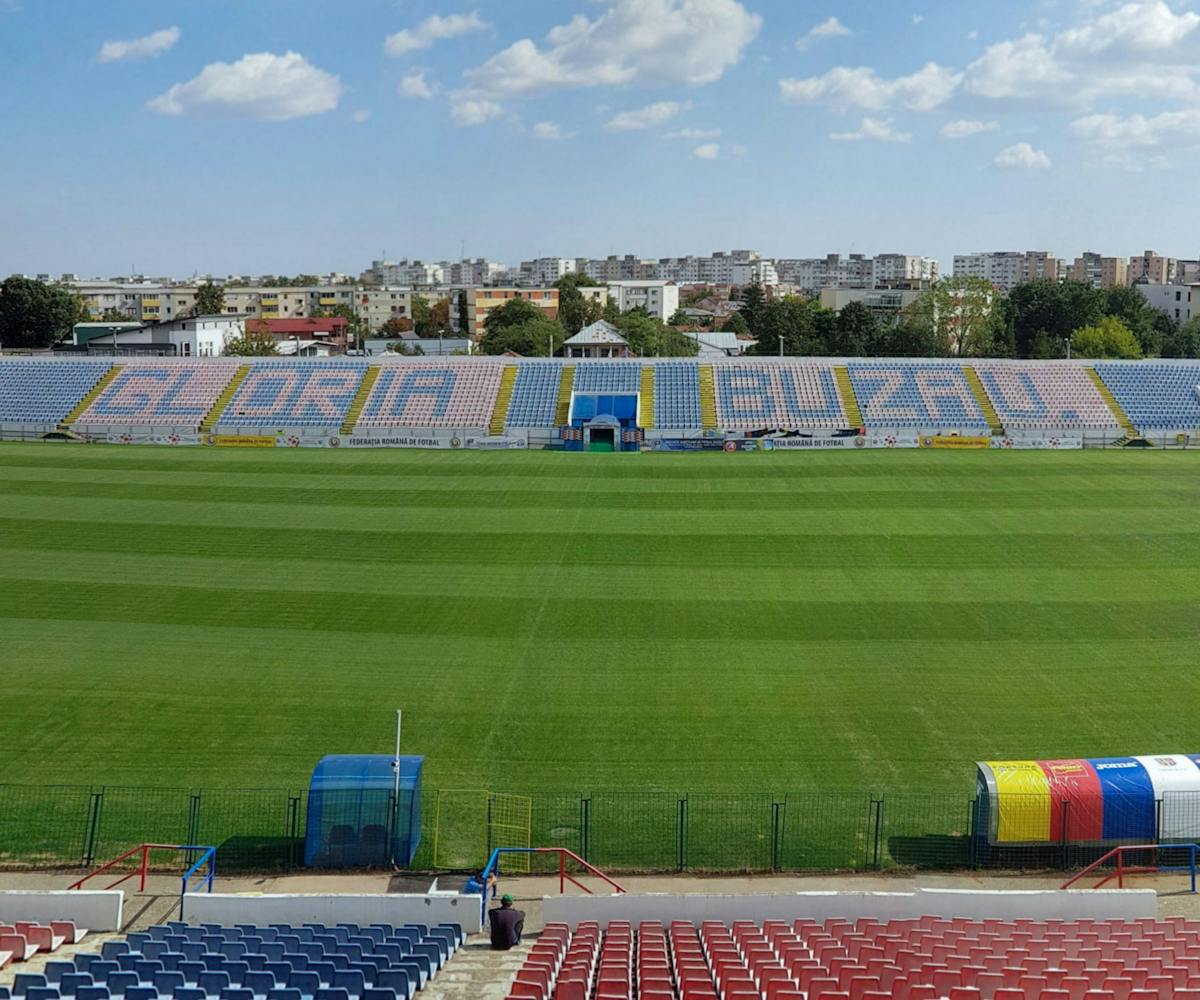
(603,422)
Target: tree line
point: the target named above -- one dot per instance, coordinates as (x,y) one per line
(966,317)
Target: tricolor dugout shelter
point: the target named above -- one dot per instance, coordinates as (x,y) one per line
(1099,800)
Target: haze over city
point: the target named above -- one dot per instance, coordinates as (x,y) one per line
(305,135)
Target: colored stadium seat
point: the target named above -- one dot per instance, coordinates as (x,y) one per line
(166,393)
(413,394)
(1156,395)
(677,395)
(1049,396)
(535,395)
(294,393)
(771,395)
(44,392)
(919,396)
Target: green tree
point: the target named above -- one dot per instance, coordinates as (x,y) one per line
(356,324)
(650,337)
(1050,308)
(256,341)
(34,314)
(855,332)
(532,338)
(1109,338)
(754,304)
(736,324)
(575,310)
(962,313)
(422,317)
(514,312)
(210,300)
(1130,306)
(1182,340)
(439,315)
(679,318)
(793,326)
(911,338)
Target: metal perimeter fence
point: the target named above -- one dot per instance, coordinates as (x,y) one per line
(263,830)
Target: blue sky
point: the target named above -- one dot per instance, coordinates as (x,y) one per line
(178,136)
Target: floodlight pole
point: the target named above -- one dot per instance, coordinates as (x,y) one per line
(396,790)
(396,762)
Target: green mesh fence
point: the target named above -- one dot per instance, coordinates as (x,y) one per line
(262,830)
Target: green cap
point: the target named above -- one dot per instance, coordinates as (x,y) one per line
(506,898)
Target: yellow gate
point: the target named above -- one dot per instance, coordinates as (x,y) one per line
(470,822)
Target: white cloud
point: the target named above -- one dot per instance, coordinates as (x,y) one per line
(432,29)
(1117,133)
(360,117)
(829,28)
(972,35)
(550,132)
(1025,68)
(917,19)
(861,87)
(965,128)
(879,129)
(631,42)
(147,47)
(707,151)
(1144,27)
(647,117)
(261,85)
(1022,156)
(694,133)
(415,85)
(468,110)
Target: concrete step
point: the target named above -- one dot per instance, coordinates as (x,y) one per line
(476,972)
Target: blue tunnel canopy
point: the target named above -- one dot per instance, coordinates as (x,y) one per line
(356,819)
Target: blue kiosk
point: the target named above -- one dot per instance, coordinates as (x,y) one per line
(356,819)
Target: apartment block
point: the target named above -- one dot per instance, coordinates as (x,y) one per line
(659,298)
(481,301)
(1152,268)
(1098,271)
(1005,269)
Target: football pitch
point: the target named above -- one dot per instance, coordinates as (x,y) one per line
(872,621)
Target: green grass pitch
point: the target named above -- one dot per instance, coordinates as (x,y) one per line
(560,622)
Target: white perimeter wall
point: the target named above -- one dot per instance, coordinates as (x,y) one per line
(98,910)
(393,908)
(973,904)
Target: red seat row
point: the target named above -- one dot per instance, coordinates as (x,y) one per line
(20,941)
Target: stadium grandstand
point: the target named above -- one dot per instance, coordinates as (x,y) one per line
(617,404)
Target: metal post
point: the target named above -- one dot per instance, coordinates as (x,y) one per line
(774,836)
(681,847)
(145,865)
(878,825)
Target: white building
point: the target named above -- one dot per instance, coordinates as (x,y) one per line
(1006,269)
(811,274)
(751,272)
(546,271)
(1180,302)
(887,267)
(194,337)
(404,272)
(659,298)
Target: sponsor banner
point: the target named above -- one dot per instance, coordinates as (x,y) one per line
(240,441)
(689,444)
(954,441)
(497,443)
(1038,443)
(1075,800)
(813,443)
(892,441)
(426,439)
(1169,774)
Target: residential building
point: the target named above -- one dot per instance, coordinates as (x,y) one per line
(1005,269)
(378,305)
(1152,268)
(1180,302)
(600,340)
(475,272)
(754,272)
(659,298)
(1187,272)
(193,337)
(811,274)
(332,330)
(545,270)
(481,301)
(1100,272)
(614,268)
(897,267)
(886,304)
(404,272)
